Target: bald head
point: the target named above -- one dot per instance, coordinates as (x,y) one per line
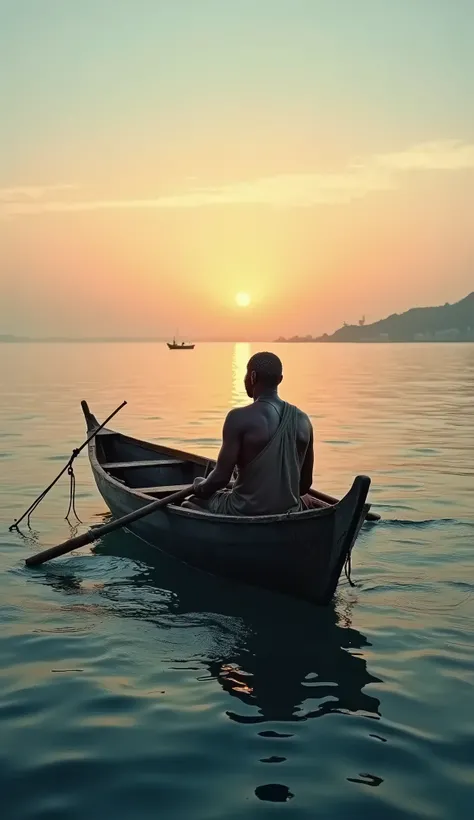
(264,372)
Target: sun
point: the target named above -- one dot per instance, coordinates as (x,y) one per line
(242,299)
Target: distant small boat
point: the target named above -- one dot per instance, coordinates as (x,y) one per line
(174,345)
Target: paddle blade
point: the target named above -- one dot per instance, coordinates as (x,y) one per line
(61,549)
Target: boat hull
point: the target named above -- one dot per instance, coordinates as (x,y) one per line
(300,554)
(179,347)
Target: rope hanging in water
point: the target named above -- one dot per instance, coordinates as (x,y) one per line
(348,568)
(72,483)
(72,494)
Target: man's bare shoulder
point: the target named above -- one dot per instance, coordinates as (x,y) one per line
(238,415)
(304,420)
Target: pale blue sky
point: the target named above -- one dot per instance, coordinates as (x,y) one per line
(386,73)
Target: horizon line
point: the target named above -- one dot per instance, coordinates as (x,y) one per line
(9,338)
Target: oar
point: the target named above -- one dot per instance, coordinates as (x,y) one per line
(329,499)
(92,535)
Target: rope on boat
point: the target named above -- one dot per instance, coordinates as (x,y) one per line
(29,512)
(348,568)
(72,479)
(72,494)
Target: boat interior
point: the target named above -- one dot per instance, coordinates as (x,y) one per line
(150,469)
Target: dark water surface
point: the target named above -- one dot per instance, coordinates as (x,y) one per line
(137,690)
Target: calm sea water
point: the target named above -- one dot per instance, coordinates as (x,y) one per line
(133,690)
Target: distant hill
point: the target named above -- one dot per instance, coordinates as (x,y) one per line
(447,323)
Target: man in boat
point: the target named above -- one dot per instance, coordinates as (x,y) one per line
(269,445)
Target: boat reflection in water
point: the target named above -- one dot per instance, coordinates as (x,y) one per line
(282,652)
(280,660)
(282,663)
(278,653)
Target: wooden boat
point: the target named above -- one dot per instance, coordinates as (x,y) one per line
(174,345)
(301,554)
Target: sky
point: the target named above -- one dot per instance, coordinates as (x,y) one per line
(157,157)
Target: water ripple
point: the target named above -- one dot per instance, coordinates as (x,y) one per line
(133,686)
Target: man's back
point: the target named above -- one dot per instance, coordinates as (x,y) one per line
(270,442)
(258,423)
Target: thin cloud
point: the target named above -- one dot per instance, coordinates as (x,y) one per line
(25,193)
(381,172)
(444,155)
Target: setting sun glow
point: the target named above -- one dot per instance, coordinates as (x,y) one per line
(242,299)
(265,192)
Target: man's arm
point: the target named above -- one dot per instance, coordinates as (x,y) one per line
(306,475)
(226,460)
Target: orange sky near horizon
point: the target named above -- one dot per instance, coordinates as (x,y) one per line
(157,167)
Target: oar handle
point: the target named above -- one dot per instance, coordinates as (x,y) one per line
(93,534)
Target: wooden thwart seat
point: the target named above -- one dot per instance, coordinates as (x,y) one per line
(163,488)
(124,465)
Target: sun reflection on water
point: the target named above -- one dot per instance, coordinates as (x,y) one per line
(240,356)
